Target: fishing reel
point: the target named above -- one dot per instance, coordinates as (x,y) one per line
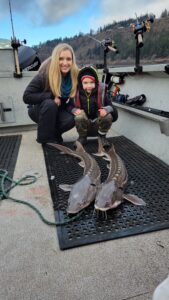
(140,28)
(15,43)
(108,44)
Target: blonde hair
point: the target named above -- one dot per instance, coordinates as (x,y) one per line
(50,67)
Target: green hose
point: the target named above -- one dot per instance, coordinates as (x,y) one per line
(29,179)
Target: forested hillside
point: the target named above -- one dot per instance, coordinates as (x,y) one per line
(89,51)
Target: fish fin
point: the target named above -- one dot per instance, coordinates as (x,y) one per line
(62,153)
(81,164)
(99,154)
(101,150)
(134,199)
(106,158)
(65,187)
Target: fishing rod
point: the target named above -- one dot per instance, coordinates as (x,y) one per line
(108,45)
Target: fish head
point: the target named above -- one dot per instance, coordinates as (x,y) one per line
(108,196)
(81,195)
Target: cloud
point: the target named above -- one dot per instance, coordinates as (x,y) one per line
(43,12)
(18,6)
(52,11)
(115,10)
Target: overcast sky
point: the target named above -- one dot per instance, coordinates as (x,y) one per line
(41,20)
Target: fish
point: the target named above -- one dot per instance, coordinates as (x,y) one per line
(83,192)
(111,193)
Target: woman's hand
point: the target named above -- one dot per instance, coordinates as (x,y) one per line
(102,112)
(57,101)
(77,111)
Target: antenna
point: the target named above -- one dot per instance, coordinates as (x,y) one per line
(11,18)
(15,44)
(136,18)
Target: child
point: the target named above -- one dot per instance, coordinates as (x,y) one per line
(93,111)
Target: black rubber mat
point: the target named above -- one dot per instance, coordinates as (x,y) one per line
(9,148)
(148,178)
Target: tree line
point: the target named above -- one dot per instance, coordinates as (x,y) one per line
(87,50)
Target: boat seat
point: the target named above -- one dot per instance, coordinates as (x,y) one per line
(163,121)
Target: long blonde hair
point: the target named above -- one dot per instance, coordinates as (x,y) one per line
(50,67)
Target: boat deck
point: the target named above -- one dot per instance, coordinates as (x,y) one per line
(33,266)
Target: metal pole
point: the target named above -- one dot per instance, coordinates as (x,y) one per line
(15,44)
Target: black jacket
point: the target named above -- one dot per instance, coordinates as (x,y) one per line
(35,93)
(91,105)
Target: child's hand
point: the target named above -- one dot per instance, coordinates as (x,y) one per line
(77,111)
(102,112)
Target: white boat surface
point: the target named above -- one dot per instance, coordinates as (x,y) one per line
(32,264)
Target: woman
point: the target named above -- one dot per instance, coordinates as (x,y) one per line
(50,95)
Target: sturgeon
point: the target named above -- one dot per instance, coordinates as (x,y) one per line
(110,193)
(83,192)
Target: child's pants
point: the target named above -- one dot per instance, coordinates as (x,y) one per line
(86,127)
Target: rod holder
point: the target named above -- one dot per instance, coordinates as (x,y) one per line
(15,44)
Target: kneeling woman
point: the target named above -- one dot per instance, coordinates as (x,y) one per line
(50,95)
